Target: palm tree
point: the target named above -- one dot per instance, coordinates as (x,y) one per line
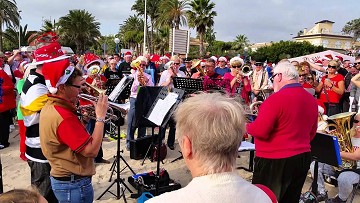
(162,40)
(201,17)
(240,42)
(152,10)
(173,13)
(79,27)
(49,26)
(131,32)
(8,15)
(26,37)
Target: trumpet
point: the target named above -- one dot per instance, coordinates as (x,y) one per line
(88,111)
(95,91)
(246,70)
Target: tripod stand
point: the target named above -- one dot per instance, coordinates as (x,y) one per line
(120,191)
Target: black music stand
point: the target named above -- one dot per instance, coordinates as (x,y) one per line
(123,94)
(325,149)
(1,179)
(162,95)
(190,85)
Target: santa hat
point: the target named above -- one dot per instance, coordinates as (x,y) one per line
(23,64)
(327,57)
(50,50)
(202,63)
(340,58)
(56,73)
(222,58)
(214,58)
(318,62)
(164,58)
(128,54)
(90,58)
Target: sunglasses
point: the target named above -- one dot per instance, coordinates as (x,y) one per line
(358,63)
(355,121)
(302,75)
(334,67)
(176,64)
(272,77)
(236,66)
(77,86)
(142,64)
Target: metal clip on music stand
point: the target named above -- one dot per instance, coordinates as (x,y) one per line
(325,149)
(162,94)
(122,95)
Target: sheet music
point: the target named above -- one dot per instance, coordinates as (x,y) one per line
(125,106)
(245,145)
(162,107)
(117,90)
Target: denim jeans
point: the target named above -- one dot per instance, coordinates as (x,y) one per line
(75,191)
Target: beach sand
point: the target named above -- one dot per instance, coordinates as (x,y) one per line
(16,172)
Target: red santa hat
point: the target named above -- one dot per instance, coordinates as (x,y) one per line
(214,58)
(50,49)
(56,73)
(222,58)
(327,57)
(128,54)
(340,58)
(90,58)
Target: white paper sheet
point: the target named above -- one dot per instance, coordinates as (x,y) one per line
(117,90)
(162,107)
(246,146)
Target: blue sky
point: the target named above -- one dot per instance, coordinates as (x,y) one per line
(259,20)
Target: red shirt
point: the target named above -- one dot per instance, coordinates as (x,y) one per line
(286,123)
(7,94)
(333,96)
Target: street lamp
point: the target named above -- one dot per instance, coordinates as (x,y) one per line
(19,28)
(117,40)
(245,52)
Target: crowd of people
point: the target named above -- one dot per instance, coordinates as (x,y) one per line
(61,150)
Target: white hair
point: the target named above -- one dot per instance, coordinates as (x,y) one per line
(215,125)
(142,58)
(287,70)
(237,60)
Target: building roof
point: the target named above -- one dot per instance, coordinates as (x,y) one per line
(323,35)
(325,21)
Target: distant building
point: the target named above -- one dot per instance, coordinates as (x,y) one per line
(322,35)
(254,47)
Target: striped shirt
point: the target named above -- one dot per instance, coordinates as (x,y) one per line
(33,98)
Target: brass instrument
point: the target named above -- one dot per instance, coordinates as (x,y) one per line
(88,111)
(246,70)
(342,131)
(136,64)
(196,64)
(92,90)
(254,107)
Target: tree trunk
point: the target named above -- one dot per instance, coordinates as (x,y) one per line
(1,34)
(201,44)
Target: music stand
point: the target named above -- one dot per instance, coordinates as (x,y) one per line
(161,96)
(325,149)
(190,85)
(1,179)
(119,181)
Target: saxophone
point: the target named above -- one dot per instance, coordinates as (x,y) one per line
(136,64)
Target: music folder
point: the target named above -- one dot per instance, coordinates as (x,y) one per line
(325,148)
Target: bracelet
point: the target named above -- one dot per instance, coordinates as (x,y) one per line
(100,120)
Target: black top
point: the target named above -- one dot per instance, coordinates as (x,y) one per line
(125,67)
(109,74)
(342,71)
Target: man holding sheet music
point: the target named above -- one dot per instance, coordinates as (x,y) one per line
(283,129)
(138,77)
(347,178)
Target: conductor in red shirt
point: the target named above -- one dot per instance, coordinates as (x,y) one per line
(283,129)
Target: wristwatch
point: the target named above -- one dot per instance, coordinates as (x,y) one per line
(100,120)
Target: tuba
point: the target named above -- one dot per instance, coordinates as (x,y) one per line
(341,124)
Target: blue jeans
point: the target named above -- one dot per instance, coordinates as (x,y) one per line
(75,191)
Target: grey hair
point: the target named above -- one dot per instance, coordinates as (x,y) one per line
(287,70)
(215,124)
(142,58)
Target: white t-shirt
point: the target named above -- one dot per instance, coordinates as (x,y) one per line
(215,188)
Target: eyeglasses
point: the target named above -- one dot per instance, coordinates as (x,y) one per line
(358,63)
(77,86)
(142,64)
(334,67)
(309,78)
(272,77)
(258,64)
(176,64)
(355,121)
(236,66)
(302,75)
